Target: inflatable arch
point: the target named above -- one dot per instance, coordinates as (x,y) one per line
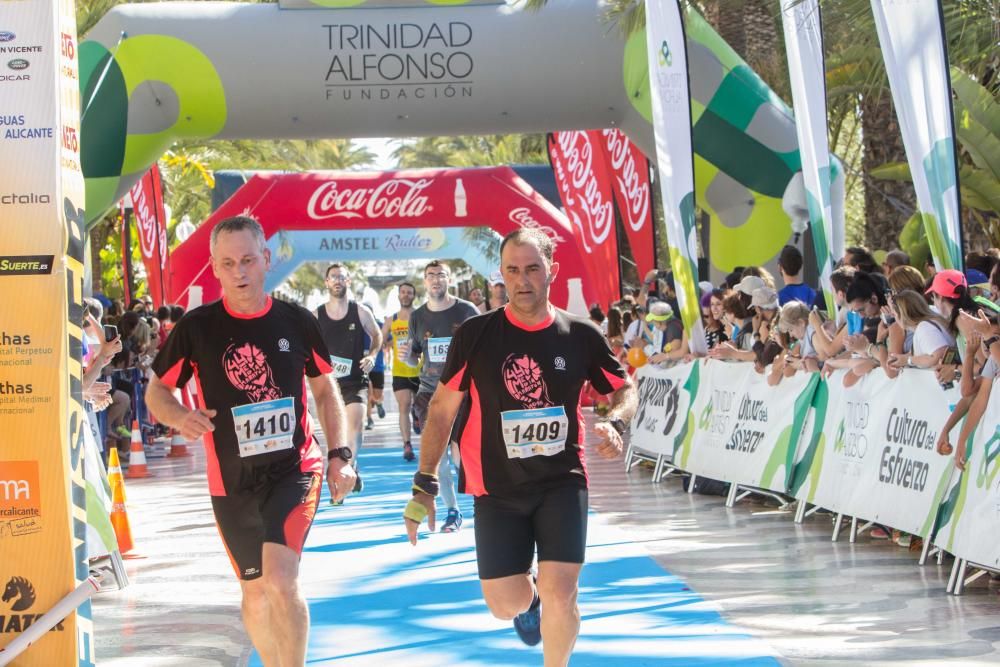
(414,214)
(153,73)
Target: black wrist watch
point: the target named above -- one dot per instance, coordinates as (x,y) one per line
(989,341)
(342,453)
(618,425)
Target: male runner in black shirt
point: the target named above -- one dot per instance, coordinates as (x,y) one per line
(251,357)
(523,366)
(344,323)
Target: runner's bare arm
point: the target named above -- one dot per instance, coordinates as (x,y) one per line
(371,328)
(192,424)
(433,442)
(330,410)
(340,474)
(971,422)
(387,335)
(624,402)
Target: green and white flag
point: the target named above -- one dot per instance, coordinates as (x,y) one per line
(916,62)
(806,71)
(666,51)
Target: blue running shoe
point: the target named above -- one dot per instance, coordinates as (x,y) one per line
(529,624)
(453,522)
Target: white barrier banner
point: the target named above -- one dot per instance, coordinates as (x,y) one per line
(876,458)
(969,518)
(664,405)
(747,431)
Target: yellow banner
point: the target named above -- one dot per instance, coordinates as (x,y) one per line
(42,515)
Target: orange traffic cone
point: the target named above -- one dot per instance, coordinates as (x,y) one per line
(137,455)
(178,445)
(119,515)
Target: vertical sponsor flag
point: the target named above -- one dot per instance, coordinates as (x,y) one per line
(630,184)
(667,55)
(804,46)
(912,38)
(43,556)
(151,221)
(585,188)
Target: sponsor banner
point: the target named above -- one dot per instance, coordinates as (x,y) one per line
(916,62)
(151,220)
(876,458)
(747,431)
(42,496)
(26,265)
(666,50)
(969,517)
(661,419)
(802,24)
(400,208)
(631,187)
(584,183)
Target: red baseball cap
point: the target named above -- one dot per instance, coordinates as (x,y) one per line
(947,282)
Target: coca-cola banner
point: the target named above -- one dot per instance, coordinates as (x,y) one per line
(630,184)
(585,188)
(413,214)
(151,221)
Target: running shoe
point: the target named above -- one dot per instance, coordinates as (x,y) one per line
(380,409)
(408,454)
(415,422)
(359,486)
(453,522)
(370,425)
(529,624)
(123,431)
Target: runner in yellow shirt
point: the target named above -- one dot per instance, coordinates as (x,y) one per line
(405,378)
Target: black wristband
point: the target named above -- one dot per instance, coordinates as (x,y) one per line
(425,483)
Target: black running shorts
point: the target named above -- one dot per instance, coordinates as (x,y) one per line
(377,378)
(421,405)
(277,504)
(354,392)
(508,528)
(401,384)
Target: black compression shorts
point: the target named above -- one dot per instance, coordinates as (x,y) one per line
(354,392)
(422,402)
(401,384)
(377,378)
(508,528)
(277,506)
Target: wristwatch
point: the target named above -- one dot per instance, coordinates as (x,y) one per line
(342,453)
(618,425)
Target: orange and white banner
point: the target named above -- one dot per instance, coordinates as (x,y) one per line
(42,422)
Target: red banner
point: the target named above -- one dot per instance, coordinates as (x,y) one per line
(585,188)
(412,199)
(630,183)
(151,221)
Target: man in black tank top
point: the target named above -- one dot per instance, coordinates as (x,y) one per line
(344,323)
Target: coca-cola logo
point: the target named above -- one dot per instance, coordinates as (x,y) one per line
(633,184)
(522,216)
(578,153)
(396,197)
(146,222)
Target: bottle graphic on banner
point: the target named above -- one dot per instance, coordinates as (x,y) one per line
(460,200)
(576,303)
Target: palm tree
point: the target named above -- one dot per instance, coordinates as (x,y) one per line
(471,151)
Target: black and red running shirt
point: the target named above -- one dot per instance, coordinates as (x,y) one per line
(239,359)
(505,366)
